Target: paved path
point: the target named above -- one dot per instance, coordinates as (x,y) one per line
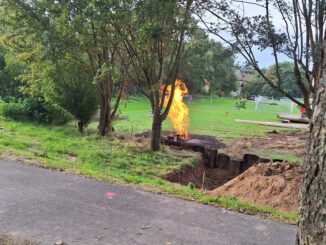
(44,206)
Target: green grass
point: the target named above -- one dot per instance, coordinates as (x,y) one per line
(206,117)
(126,162)
(280,156)
(56,146)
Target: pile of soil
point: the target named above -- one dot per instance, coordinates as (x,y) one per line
(272,185)
(195,174)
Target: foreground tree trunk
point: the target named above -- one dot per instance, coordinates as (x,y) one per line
(108,113)
(80,127)
(312,225)
(105,111)
(156,130)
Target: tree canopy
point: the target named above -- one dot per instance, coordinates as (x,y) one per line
(208,60)
(300,37)
(256,85)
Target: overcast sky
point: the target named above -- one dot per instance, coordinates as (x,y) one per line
(264,58)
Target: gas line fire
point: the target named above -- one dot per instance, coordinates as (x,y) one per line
(179,112)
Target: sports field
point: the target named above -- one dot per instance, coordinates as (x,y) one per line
(208,116)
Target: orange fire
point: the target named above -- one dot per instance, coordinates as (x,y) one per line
(179,112)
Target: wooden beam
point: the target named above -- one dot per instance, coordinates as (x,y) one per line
(293,118)
(275,124)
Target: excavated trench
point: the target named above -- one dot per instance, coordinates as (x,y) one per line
(215,168)
(218,164)
(210,177)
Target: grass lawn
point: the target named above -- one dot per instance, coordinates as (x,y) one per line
(126,162)
(214,117)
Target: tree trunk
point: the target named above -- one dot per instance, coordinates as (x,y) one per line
(307,106)
(80,127)
(156,130)
(312,225)
(104,122)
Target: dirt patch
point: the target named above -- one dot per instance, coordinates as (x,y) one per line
(72,158)
(194,174)
(11,155)
(285,142)
(273,185)
(8,240)
(37,151)
(206,141)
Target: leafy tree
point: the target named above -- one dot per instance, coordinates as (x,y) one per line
(83,30)
(154,34)
(253,84)
(50,86)
(256,85)
(74,91)
(301,38)
(288,76)
(206,59)
(9,72)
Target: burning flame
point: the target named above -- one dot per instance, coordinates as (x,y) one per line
(178,114)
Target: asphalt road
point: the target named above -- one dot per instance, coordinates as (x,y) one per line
(45,206)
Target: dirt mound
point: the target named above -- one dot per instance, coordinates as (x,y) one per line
(272,185)
(194,174)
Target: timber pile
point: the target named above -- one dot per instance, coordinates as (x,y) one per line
(293,118)
(212,158)
(275,124)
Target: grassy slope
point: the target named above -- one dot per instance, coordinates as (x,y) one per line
(125,163)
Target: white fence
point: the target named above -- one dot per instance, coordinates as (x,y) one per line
(284,105)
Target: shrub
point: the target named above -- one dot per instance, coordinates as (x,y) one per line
(36,110)
(15,110)
(191,185)
(74,91)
